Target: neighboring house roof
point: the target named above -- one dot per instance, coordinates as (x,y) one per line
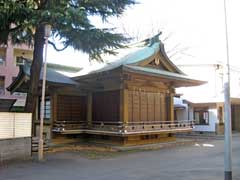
(210,100)
(200,100)
(179,106)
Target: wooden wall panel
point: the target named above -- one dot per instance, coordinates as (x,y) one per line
(147,106)
(167,107)
(163,107)
(106,106)
(136,106)
(157,106)
(144,106)
(150,109)
(71,108)
(130,106)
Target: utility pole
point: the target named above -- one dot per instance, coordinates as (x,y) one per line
(227,110)
(47,32)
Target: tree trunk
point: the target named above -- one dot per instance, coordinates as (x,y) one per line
(35,71)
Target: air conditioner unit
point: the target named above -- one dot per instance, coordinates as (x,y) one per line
(19,60)
(1,59)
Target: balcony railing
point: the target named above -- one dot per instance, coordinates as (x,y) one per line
(121,128)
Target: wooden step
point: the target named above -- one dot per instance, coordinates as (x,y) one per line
(35,143)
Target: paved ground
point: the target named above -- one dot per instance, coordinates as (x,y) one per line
(203,161)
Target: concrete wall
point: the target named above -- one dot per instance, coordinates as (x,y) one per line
(182,114)
(17,148)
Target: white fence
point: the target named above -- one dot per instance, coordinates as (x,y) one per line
(15,125)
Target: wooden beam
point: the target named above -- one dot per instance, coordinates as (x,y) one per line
(121,105)
(125,105)
(171,108)
(54,107)
(89,109)
(53,112)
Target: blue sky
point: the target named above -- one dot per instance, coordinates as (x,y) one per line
(194,27)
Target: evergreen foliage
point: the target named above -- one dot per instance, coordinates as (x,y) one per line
(69,19)
(24,21)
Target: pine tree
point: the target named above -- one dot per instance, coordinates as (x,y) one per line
(24,21)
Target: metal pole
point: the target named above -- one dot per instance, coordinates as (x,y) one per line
(40,145)
(227,111)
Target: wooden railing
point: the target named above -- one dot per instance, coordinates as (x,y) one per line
(158,126)
(61,126)
(122,128)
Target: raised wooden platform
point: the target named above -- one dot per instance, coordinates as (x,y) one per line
(136,133)
(114,140)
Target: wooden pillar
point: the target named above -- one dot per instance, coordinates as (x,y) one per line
(124,105)
(171,108)
(53,111)
(89,109)
(54,108)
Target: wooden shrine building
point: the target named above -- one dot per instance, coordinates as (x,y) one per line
(129,101)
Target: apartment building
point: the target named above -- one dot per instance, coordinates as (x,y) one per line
(11,57)
(205,103)
(10,60)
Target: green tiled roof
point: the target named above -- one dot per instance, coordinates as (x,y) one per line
(52,75)
(145,50)
(60,67)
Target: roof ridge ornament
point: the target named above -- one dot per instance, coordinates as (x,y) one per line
(154,39)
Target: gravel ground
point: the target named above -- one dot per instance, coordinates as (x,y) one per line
(198,161)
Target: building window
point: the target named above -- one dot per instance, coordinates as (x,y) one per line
(47,108)
(201,117)
(2,60)
(2,85)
